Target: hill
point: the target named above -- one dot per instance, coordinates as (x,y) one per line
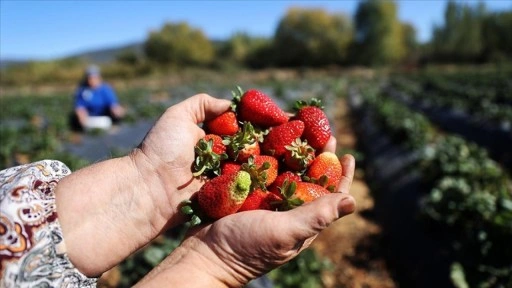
(109,54)
(9,62)
(99,56)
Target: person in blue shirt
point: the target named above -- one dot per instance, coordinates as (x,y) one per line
(95,100)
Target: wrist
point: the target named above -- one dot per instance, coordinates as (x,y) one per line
(159,184)
(107,211)
(196,260)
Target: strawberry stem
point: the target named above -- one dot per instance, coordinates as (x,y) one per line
(237,96)
(315,102)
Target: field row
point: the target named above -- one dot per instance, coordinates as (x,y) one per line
(483,118)
(446,206)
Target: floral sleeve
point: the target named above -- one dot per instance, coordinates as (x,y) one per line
(32,251)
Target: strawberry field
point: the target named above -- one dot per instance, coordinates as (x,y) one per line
(437,159)
(433,148)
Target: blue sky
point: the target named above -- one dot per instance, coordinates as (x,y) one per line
(44,29)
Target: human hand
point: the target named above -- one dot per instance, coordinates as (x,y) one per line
(240,247)
(118,111)
(169,149)
(112,208)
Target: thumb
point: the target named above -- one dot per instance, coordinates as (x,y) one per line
(310,219)
(203,107)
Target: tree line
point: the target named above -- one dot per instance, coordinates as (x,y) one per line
(374,36)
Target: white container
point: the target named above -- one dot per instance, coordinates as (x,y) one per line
(98,122)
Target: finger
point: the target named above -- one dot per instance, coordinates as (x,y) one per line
(348,164)
(203,107)
(308,220)
(330,146)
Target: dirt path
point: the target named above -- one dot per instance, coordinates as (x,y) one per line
(354,243)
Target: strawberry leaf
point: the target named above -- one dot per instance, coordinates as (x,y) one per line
(194,221)
(187,210)
(206,160)
(315,102)
(258,175)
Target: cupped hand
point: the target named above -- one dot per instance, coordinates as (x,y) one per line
(110,209)
(249,244)
(235,249)
(169,149)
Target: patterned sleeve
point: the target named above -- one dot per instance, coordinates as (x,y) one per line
(32,251)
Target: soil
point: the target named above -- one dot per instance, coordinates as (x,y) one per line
(354,244)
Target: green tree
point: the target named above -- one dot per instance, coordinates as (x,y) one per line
(410,42)
(128,57)
(241,48)
(496,31)
(312,37)
(461,36)
(379,35)
(179,44)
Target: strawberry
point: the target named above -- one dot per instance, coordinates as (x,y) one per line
(259,199)
(297,193)
(260,161)
(316,125)
(299,155)
(218,146)
(229,167)
(248,151)
(325,170)
(263,170)
(280,136)
(243,144)
(210,151)
(225,124)
(259,109)
(224,195)
(280,179)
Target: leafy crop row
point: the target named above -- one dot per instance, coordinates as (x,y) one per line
(470,195)
(490,100)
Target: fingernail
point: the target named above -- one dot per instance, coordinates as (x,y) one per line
(347,205)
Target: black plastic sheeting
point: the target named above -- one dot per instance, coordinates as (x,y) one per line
(419,256)
(491,136)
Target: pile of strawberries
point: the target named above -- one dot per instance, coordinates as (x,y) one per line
(259,157)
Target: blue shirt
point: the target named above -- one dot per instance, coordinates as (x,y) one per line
(97,101)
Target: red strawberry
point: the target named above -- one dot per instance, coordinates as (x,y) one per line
(317,130)
(243,144)
(263,170)
(297,193)
(272,169)
(281,178)
(210,151)
(259,109)
(248,151)
(228,167)
(218,146)
(326,170)
(224,195)
(225,124)
(280,136)
(259,199)
(299,155)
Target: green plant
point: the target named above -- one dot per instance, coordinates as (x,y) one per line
(472,196)
(305,271)
(403,125)
(140,263)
